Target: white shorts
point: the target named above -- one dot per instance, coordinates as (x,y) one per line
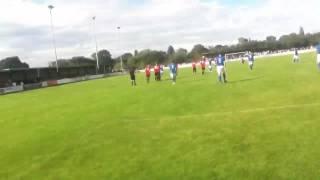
(296,57)
(250,63)
(220,70)
(171,75)
(318,58)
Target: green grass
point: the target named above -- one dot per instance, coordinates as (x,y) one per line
(264,124)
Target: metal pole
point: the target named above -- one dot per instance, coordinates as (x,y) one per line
(95,39)
(53,37)
(121,63)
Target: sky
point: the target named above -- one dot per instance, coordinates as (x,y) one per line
(154,24)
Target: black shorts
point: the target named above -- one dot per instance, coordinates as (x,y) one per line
(133,77)
(194,69)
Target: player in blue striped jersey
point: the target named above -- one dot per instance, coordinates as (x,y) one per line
(251,60)
(318,55)
(173,67)
(220,62)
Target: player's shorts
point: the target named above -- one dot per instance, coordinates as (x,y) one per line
(250,63)
(296,57)
(220,70)
(132,77)
(194,69)
(210,67)
(174,76)
(318,58)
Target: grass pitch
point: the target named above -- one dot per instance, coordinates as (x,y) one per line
(263,124)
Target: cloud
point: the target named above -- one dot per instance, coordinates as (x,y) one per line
(156,24)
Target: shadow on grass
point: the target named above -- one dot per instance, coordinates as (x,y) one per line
(244,80)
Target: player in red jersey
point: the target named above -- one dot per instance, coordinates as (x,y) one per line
(148,73)
(157,72)
(194,67)
(203,65)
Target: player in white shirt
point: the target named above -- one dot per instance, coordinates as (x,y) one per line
(296,56)
(210,65)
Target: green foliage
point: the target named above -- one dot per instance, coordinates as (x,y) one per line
(197,51)
(12,63)
(125,58)
(243,40)
(271,39)
(170,51)
(105,60)
(146,57)
(181,56)
(271,43)
(301,31)
(74,62)
(136,52)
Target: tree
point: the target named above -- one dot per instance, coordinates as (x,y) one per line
(170,51)
(136,52)
(301,31)
(12,63)
(146,57)
(82,61)
(105,60)
(242,40)
(271,39)
(182,50)
(77,61)
(181,56)
(197,51)
(125,59)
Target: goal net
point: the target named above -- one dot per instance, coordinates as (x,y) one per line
(236,56)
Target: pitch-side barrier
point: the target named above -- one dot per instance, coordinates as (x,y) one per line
(50,83)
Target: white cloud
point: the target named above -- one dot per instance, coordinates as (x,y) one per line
(25,25)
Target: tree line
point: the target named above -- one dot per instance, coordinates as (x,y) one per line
(140,59)
(12,63)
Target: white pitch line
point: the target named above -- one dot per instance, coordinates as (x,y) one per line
(280,107)
(292,106)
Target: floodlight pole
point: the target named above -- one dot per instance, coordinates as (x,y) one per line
(95,39)
(118,34)
(53,37)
